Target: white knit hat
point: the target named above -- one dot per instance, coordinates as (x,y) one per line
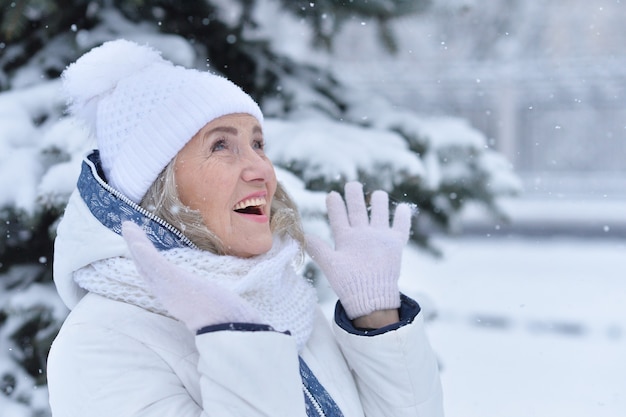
(143,109)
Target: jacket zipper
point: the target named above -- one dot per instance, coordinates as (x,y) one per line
(140,209)
(316,405)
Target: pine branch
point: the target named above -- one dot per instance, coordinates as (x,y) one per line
(14,20)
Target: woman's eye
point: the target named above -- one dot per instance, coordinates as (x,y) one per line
(219,145)
(259,144)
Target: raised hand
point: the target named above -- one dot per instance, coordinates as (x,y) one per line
(195,301)
(364,266)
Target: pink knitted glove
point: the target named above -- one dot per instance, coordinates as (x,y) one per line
(364,267)
(196,302)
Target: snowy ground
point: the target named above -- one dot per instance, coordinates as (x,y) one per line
(527,326)
(530,318)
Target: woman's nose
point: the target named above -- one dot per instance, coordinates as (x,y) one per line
(256,167)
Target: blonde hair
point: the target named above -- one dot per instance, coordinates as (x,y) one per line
(162,200)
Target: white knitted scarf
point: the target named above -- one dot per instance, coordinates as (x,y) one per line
(269,282)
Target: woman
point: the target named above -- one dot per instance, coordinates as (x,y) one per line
(176,257)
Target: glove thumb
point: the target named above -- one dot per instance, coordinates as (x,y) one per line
(144,254)
(195,301)
(318,249)
(153,268)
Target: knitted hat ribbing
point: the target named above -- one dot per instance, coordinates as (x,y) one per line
(143,109)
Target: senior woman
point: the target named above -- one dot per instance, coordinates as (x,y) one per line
(176,257)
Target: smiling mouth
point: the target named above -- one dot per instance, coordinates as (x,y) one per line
(250,206)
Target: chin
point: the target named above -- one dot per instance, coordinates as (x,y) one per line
(264,247)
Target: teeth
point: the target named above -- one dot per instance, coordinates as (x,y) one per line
(251,202)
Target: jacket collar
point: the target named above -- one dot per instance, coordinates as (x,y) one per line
(111,208)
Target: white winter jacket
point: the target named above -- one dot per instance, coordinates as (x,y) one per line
(116,359)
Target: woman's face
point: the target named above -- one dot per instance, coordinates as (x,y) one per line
(224,174)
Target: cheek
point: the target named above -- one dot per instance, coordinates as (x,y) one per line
(185,180)
(272,182)
(212,198)
(189,187)
(200,186)
(208,197)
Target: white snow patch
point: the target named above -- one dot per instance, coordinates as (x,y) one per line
(334,150)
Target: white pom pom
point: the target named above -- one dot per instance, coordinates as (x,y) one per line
(98,71)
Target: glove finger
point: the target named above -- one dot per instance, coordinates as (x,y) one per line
(402,220)
(357,211)
(133,233)
(168,282)
(337,214)
(197,302)
(141,249)
(152,267)
(380,209)
(220,305)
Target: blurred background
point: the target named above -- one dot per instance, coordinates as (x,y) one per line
(544,82)
(504,122)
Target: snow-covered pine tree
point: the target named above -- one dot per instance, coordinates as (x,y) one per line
(320,133)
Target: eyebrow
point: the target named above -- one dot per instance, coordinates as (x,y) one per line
(223,129)
(230,130)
